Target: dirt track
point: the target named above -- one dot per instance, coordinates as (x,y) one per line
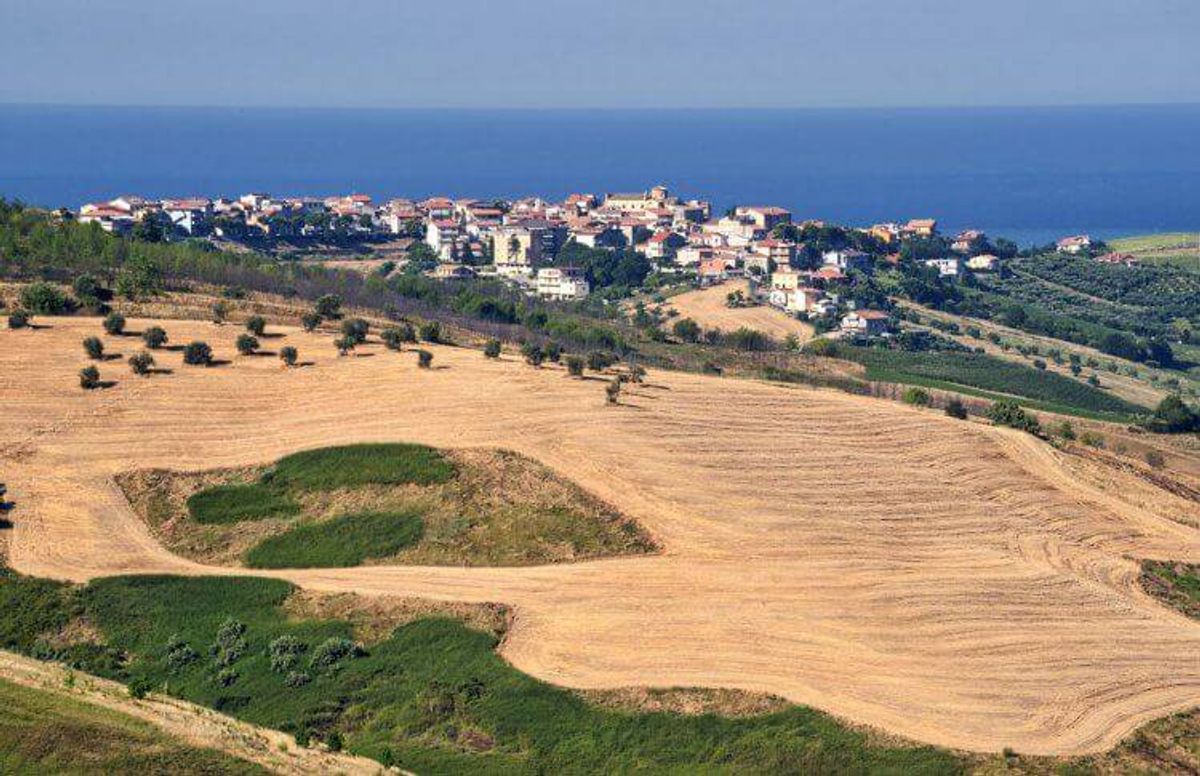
(945,581)
(707,307)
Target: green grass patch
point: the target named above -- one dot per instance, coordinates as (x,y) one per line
(343,541)
(331,468)
(992,376)
(43,732)
(234,503)
(436,698)
(1175,584)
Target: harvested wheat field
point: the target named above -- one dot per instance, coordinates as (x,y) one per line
(707,307)
(945,581)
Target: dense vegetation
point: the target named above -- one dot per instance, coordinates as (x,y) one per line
(1175,584)
(344,541)
(434,698)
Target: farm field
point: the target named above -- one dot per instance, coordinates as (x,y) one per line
(944,581)
(707,307)
(1180,249)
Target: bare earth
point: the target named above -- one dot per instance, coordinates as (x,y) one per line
(707,308)
(945,581)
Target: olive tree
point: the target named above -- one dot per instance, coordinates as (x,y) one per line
(424,359)
(89,378)
(154,337)
(94,347)
(114,324)
(288,355)
(310,321)
(492,348)
(256,325)
(141,363)
(18,319)
(246,344)
(197,353)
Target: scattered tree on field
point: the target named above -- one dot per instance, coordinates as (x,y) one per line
(94,347)
(43,298)
(492,348)
(575,366)
(114,324)
(329,306)
(141,363)
(612,391)
(598,360)
(345,344)
(154,337)
(89,378)
(256,325)
(18,319)
(918,397)
(553,351)
(431,331)
(393,338)
(197,353)
(686,330)
(534,355)
(220,311)
(956,409)
(246,344)
(424,359)
(288,355)
(310,321)
(356,329)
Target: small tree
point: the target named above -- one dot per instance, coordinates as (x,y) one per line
(220,311)
(431,331)
(246,344)
(256,325)
(329,306)
(407,332)
(612,391)
(575,366)
(1065,430)
(918,397)
(956,409)
(154,337)
(345,344)
(598,361)
(141,363)
(89,378)
(357,329)
(114,324)
(424,359)
(553,351)
(492,348)
(1009,413)
(1154,458)
(288,355)
(197,353)
(534,356)
(18,319)
(94,347)
(686,330)
(310,321)
(392,338)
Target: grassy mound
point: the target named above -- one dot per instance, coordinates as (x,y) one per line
(43,732)
(356,465)
(345,541)
(234,503)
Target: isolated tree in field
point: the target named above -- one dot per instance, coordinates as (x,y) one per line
(424,359)
(575,366)
(18,319)
(492,348)
(44,299)
(345,344)
(288,355)
(154,337)
(686,330)
(89,378)
(431,331)
(918,397)
(612,391)
(114,324)
(256,325)
(534,356)
(310,321)
(598,361)
(329,306)
(197,353)
(637,373)
(246,344)
(220,311)
(553,351)
(356,329)
(141,363)
(407,332)
(956,409)
(393,338)
(94,347)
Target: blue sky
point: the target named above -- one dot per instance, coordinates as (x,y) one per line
(606,53)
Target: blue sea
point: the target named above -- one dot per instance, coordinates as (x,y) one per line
(1032,174)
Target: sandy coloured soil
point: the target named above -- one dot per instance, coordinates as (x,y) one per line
(707,307)
(945,581)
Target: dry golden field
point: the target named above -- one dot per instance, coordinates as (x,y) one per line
(707,307)
(945,581)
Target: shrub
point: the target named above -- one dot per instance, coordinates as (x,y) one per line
(256,325)
(141,363)
(44,299)
(956,409)
(285,653)
(1155,459)
(329,306)
(310,321)
(94,347)
(220,311)
(748,339)
(334,741)
(179,655)
(154,337)
(230,643)
(18,319)
(89,378)
(1065,430)
(598,360)
(392,338)
(329,653)
(297,679)
(431,331)
(1009,413)
(357,329)
(246,344)
(345,344)
(114,324)
(1039,363)
(1092,439)
(534,356)
(918,397)
(492,349)
(612,391)
(86,289)
(424,359)
(822,346)
(197,353)
(686,330)
(1173,416)
(139,688)
(575,366)
(288,355)
(553,351)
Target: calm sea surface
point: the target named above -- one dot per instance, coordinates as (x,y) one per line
(1031,174)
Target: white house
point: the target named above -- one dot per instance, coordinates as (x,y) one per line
(947,268)
(868,322)
(846,260)
(984,262)
(1074,244)
(562,283)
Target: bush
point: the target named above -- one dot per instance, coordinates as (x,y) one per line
(139,688)
(44,299)
(686,330)
(749,339)
(114,324)
(334,741)
(179,655)
(94,347)
(612,391)
(345,344)
(956,409)
(1065,430)
(246,344)
(1155,459)
(18,319)
(329,306)
(534,356)
(492,349)
(356,329)
(197,353)
(392,338)
(285,653)
(822,346)
(220,311)
(553,352)
(256,325)
(288,355)
(89,378)
(86,289)
(1009,413)
(141,363)
(329,653)
(154,337)
(424,359)
(1173,416)
(918,397)
(598,360)
(431,331)
(575,366)
(310,321)
(1092,439)
(1039,364)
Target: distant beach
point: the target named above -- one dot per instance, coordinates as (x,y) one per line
(1029,174)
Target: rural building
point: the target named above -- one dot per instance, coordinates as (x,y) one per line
(871,323)
(562,283)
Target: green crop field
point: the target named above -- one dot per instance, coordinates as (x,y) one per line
(344,541)
(346,467)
